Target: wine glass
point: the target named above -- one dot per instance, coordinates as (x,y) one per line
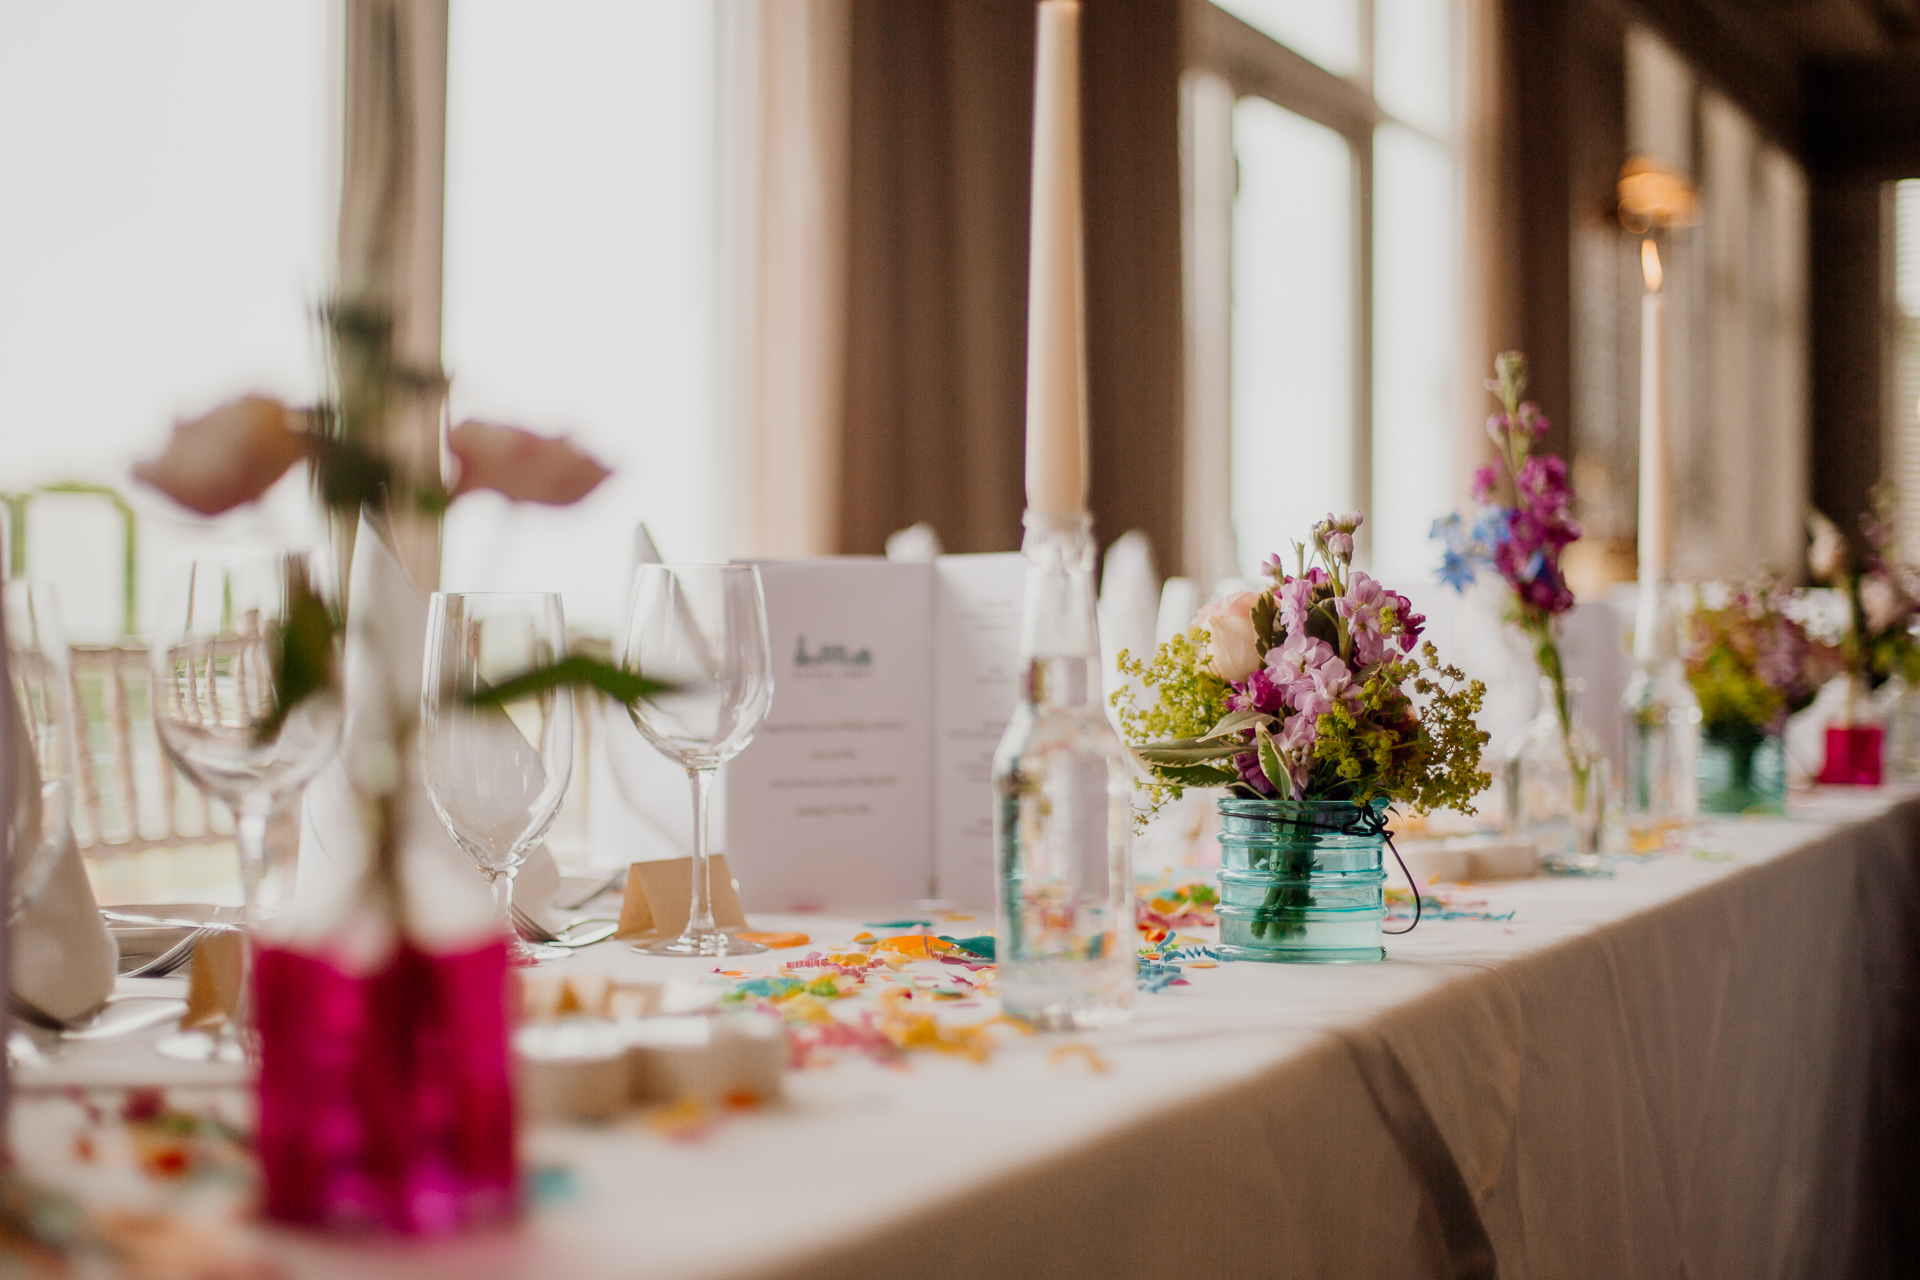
(496,771)
(702,631)
(44,728)
(246,701)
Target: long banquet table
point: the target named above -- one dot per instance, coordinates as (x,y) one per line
(1693,1067)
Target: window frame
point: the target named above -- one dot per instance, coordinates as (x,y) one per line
(1251,63)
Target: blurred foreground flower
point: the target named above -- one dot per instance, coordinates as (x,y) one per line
(522,465)
(232,455)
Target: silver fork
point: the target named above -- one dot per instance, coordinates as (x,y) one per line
(533,931)
(171,959)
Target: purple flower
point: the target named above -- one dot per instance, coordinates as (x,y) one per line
(1295,599)
(1290,667)
(1484,480)
(1361,608)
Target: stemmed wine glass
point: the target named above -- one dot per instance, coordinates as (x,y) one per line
(246,701)
(496,772)
(43,725)
(701,630)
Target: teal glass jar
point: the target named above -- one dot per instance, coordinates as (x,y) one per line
(1302,880)
(1743,773)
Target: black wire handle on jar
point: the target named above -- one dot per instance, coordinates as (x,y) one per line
(1365,822)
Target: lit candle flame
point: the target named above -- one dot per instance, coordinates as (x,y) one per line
(1650,265)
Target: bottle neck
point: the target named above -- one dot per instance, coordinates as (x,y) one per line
(1059,636)
(1653,638)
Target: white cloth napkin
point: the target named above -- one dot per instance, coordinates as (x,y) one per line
(1129,604)
(645,815)
(64,959)
(446,896)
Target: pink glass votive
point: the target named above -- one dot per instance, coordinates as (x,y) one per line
(386,1098)
(1853,756)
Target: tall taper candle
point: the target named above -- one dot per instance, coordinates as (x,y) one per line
(1056,289)
(1655,512)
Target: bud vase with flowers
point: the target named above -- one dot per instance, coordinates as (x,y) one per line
(1752,663)
(1314,704)
(1521,524)
(1876,642)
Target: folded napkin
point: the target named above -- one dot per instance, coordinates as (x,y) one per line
(446,895)
(64,960)
(1129,604)
(645,813)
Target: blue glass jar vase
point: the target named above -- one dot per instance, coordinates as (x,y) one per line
(1302,880)
(1743,773)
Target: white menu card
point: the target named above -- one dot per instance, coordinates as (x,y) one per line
(870,781)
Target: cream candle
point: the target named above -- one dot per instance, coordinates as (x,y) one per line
(1056,324)
(1654,546)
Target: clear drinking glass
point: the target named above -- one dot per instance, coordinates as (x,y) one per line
(246,701)
(45,728)
(496,773)
(702,629)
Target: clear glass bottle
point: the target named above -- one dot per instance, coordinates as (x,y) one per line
(1063,820)
(1900,708)
(1556,776)
(1662,720)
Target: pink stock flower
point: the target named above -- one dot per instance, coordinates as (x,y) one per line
(1361,608)
(1484,481)
(232,455)
(1290,667)
(523,466)
(1294,596)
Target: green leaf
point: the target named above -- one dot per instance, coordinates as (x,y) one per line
(1188,751)
(1270,763)
(1236,721)
(577,671)
(303,656)
(1197,775)
(1264,611)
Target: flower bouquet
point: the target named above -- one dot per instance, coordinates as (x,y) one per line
(1875,642)
(1315,705)
(1752,664)
(1556,771)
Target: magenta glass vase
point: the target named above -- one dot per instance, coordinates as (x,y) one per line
(1853,756)
(386,1100)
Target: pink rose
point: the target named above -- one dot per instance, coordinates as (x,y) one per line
(1882,601)
(1233,651)
(230,456)
(522,465)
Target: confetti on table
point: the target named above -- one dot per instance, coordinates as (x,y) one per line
(775,941)
(1081,1053)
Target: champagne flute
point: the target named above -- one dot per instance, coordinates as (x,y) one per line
(246,701)
(496,773)
(44,732)
(701,630)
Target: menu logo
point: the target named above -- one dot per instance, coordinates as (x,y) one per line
(830,655)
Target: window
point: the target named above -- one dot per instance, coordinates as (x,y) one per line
(1333,289)
(1905,412)
(168,237)
(580,234)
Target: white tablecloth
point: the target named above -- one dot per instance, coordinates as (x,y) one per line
(1677,1071)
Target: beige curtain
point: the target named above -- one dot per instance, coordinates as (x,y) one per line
(784,251)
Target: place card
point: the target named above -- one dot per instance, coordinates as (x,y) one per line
(976,664)
(213,980)
(871,781)
(660,894)
(831,801)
